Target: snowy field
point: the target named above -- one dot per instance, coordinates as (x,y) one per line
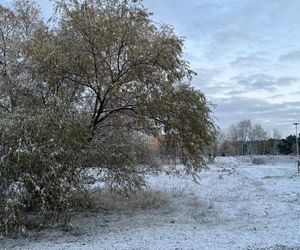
(236,205)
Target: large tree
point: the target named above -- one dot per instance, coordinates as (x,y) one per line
(92,88)
(109,59)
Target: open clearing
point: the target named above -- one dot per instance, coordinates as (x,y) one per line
(236,205)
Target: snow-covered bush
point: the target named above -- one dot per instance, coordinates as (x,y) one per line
(12,217)
(45,159)
(258,161)
(41,160)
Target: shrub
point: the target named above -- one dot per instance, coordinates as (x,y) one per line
(258,161)
(40,166)
(12,217)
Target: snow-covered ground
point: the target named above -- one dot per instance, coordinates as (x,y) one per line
(236,205)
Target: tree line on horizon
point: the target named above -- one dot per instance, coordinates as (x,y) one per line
(245,138)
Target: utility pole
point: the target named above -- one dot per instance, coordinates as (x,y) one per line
(298,163)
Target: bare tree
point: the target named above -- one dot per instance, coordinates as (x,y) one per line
(257,136)
(276,136)
(240,135)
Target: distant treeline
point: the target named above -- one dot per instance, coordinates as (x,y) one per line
(244,138)
(272,146)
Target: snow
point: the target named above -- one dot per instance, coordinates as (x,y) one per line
(236,205)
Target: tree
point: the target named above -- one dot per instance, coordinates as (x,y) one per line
(83,93)
(275,142)
(122,70)
(288,145)
(240,135)
(218,146)
(257,137)
(17,27)
(248,138)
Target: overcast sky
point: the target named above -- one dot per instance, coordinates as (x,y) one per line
(246,54)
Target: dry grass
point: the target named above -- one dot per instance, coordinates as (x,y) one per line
(103,200)
(273,177)
(108,200)
(268,177)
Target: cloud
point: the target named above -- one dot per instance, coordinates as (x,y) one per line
(292,56)
(252,61)
(235,109)
(276,96)
(236,92)
(242,85)
(262,81)
(227,27)
(213,90)
(206,76)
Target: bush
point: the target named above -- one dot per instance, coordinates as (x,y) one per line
(40,166)
(258,161)
(45,159)
(12,217)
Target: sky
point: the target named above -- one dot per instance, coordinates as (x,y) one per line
(246,54)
